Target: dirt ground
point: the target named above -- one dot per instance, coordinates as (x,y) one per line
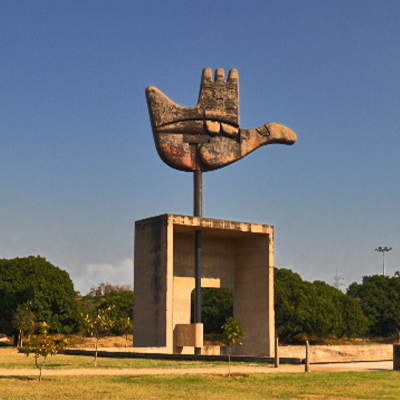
(334,367)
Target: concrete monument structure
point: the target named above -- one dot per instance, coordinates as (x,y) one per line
(235,255)
(175,254)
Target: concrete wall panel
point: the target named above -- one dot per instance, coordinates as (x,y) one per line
(150,282)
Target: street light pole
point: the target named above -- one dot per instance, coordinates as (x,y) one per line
(383,250)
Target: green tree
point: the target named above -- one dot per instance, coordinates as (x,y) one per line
(315,310)
(379,297)
(232,332)
(49,288)
(356,322)
(291,304)
(125,326)
(23,320)
(105,288)
(120,300)
(99,326)
(42,346)
(216,307)
(327,310)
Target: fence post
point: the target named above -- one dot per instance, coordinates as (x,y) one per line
(307,356)
(396,357)
(276,353)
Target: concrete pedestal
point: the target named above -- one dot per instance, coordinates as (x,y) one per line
(235,255)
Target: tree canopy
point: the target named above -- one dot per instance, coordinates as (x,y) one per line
(379,297)
(104,288)
(49,289)
(122,301)
(314,309)
(118,298)
(106,295)
(216,307)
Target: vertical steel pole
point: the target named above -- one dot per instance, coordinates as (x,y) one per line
(198,193)
(198,212)
(383,253)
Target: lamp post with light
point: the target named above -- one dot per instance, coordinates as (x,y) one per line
(383,250)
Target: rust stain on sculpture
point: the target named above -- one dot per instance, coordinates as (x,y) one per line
(207,136)
(176,157)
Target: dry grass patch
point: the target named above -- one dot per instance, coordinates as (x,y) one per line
(80,341)
(326,386)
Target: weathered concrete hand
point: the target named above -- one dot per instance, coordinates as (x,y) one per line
(207,136)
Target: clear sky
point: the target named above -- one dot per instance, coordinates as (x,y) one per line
(78,164)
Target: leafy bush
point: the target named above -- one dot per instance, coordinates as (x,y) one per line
(99,326)
(42,346)
(232,332)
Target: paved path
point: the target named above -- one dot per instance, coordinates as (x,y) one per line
(360,366)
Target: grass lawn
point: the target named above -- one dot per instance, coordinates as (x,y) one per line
(11,359)
(332,386)
(285,386)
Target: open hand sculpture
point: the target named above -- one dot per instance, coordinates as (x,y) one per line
(207,136)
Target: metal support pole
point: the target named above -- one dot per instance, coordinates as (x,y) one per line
(198,212)
(383,253)
(382,250)
(307,362)
(198,194)
(276,353)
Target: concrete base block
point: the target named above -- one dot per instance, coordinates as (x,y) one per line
(189,335)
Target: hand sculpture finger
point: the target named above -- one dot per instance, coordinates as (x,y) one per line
(219,98)
(221,151)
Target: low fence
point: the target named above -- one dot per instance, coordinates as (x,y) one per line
(128,353)
(342,353)
(287,354)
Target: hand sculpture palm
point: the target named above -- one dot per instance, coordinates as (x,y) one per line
(207,136)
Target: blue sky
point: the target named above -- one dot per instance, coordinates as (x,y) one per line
(78,163)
